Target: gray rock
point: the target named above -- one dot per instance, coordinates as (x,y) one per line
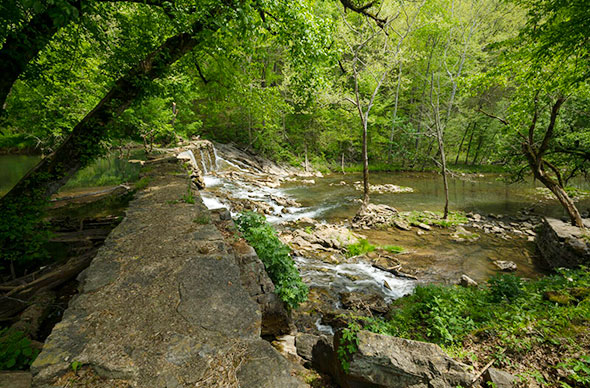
(505,265)
(466,281)
(424,226)
(304,344)
(384,361)
(361,301)
(401,225)
(562,244)
(499,378)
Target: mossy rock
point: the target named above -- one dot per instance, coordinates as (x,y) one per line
(558,297)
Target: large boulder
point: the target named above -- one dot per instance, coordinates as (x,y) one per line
(499,378)
(371,215)
(562,244)
(384,361)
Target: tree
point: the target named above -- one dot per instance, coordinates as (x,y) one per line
(549,67)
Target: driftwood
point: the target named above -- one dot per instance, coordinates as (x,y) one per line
(31,319)
(20,296)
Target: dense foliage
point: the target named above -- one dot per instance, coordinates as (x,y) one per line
(276,258)
(509,318)
(16,352)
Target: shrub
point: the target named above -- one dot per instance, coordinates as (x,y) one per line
(276,258)
(505,286)
(359,248)
(16,352)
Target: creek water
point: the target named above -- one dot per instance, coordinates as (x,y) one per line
(108,171)
(435,256)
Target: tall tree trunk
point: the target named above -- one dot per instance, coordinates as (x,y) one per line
(443,160)
(469,144)
(399,81)
(21,47)
(461,144)
(365,166)
(479,142)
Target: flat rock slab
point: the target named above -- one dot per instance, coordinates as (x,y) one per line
(15,379)
(384,361)
(162,305)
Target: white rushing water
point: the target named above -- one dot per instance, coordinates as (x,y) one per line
(344,277)
(351,277)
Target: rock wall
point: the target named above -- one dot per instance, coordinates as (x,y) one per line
(562,244)
(163,304)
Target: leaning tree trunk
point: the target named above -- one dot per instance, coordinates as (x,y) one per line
(21,209)
(555,187)
(21,47)
(82,144)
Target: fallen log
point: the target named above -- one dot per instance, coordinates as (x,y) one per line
(18,299)
(90,197)
(31,319)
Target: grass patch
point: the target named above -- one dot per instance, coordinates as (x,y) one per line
(508,319)
(142,183)
(360,248)
(275,256)
(393,248)
(432,218)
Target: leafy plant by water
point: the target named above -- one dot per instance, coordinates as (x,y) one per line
(276,258)
(506,320)
(360,248)
(16,351)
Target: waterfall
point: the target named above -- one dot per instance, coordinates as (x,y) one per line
(211,166)
(203,162)
(216,158)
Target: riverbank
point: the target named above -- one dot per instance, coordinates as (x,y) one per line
(396,251)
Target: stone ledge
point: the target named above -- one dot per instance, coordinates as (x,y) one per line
(562,244)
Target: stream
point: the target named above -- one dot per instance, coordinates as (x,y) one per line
(435,255)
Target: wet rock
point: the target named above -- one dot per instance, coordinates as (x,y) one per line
(282,201)
(420,232)
(362,301)
(318,351)
(423,226)
(371,215)
(466,281)
(386,188)
(461,235)
(401,225)
(499,378)
(323,238)
(562,244)
(386,361)
(496,229)
(505,265)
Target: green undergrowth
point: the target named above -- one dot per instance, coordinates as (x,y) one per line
(16,351)
(507,319)
(363,247)
(432,218)
(360,248)
(275,255)
(393,248)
